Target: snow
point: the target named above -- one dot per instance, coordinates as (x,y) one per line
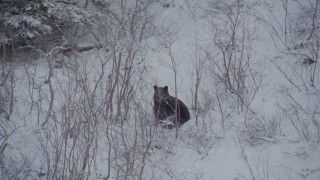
(207,151)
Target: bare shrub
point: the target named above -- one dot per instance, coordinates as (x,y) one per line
(231,66)
(302,115)
(196,77)
(202,140)
(96,100)
(297,41)
(258,169)
(11,166)
(262,128)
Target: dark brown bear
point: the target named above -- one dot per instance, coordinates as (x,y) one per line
(164,107)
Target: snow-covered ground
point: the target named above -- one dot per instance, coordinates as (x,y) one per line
(225,154)
(261,142)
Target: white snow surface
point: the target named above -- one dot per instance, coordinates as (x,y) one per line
(203,153)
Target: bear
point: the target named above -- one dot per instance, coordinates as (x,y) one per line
(164,108)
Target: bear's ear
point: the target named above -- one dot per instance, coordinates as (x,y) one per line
(166,88)
(155,87)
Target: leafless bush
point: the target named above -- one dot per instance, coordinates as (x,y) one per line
(132,142)
(17,166)
(302,115)
(259,168)
(202,140)
(229,52)
(98,101)
(235,70)
(67,135)
(80,123)
(7,84)
(181,175)
(296,38)
(197,75)
(168,41)
(262,128)
(124,26)
(13,163)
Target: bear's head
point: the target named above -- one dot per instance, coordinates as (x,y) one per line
(161,94)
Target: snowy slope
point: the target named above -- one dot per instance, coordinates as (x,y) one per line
(216,146)
(226,155)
